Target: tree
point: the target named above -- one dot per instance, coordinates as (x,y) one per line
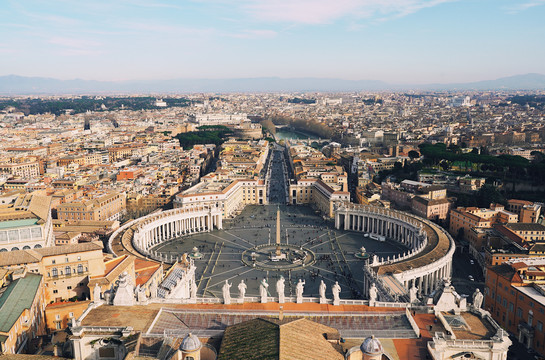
(445,165)
(413,154)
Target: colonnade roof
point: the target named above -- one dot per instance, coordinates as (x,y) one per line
(437,247)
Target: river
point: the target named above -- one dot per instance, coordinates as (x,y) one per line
(283,134)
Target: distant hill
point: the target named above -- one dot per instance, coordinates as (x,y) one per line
(21,85)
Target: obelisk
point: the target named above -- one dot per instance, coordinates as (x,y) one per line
(278,253)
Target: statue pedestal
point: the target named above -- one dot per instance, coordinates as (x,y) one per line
(264,299)
(281,299)
(336,302)
(323,301)
(299,300)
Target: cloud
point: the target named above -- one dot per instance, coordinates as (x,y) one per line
(253,34)
(328,11)
(513,9)
(76,46)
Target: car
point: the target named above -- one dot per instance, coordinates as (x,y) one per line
(471,262)
(470,277)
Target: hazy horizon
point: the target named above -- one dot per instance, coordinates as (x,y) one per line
(395,41)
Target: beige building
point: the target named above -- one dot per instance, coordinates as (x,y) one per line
(22,307)
(318,194)
(26,170)
(66,269)
(230,196)
(463,219)
(109,206)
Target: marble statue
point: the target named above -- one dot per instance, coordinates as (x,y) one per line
(263,290)
(413,294)
(280,284)
(96,293)
(336,290)
(153,290)
(141,295)
(242,290)
(193,290)
(226,292)
(322,292)
(373,293)
(477,299)
(299,291)
(124,295)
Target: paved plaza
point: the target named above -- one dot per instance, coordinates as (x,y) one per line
(334,252)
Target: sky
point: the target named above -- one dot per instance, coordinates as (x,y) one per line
(397,41)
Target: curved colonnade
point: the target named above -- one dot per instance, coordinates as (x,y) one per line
(427,263)
(150,230)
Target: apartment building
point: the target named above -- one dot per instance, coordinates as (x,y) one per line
(25,170)
(463,219)
(22,307)
(66,269)
(515,296)
(107,206)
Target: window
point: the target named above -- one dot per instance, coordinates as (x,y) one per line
(69,288)
(53,262)
(519,312)
(71,314)
(58,325)
(80,268)
(54,272)
(67,270)
(55,291)
(57,317)
(539,326)
(511,307)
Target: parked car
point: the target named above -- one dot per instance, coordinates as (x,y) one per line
(471,278)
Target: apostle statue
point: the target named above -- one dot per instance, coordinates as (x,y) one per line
(242,290)
(280,284)
(477,299)
(226,289)
(413,294)
(96,293)
(299,291)
(322,292)
(193,290)
(263,290)
(373,293)
(336,290)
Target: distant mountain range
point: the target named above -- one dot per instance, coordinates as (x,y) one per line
(21,85)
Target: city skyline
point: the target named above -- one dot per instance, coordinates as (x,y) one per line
(398,41)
